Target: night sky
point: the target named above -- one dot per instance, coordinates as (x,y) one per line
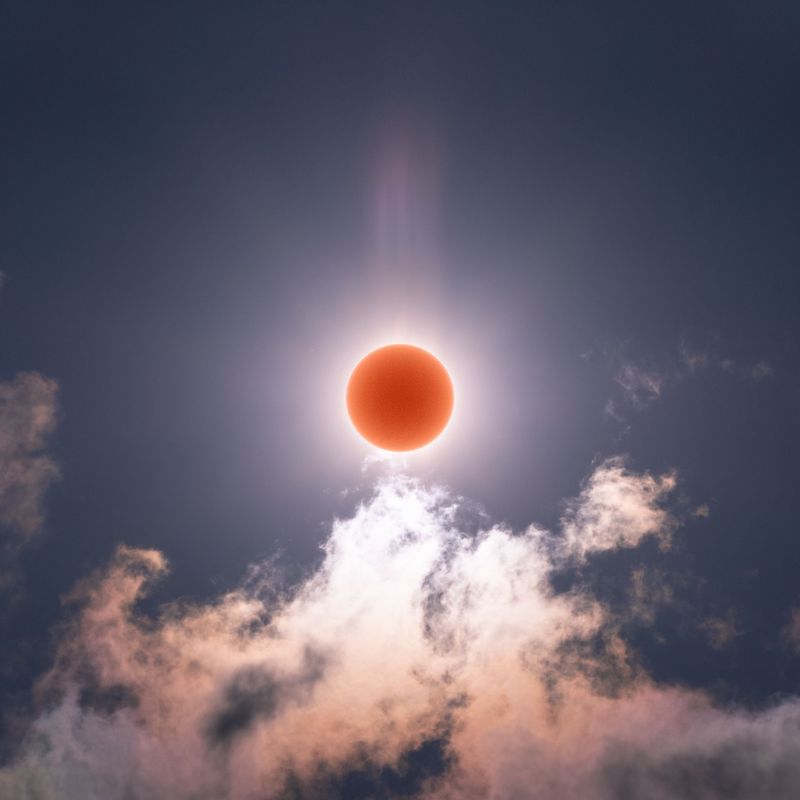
(212,589)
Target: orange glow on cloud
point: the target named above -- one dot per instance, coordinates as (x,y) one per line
(414,628)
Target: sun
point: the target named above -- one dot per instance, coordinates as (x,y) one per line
(400,397)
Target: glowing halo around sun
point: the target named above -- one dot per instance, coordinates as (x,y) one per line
(400,397)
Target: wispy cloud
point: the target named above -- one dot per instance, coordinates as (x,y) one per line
(703,511)
(641,381)
(722,630)
(791,631)
(27,418)
(696,358)
(417,642)
(649,591)
(640,385)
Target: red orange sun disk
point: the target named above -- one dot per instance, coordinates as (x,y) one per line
(400,397)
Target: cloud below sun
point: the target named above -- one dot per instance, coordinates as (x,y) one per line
(427,638)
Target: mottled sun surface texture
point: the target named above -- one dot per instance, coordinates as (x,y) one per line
(399,397)
(218,584)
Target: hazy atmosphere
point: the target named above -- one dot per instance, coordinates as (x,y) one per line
(212,588)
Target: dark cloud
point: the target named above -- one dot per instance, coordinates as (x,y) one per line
(106,699)
(257,693)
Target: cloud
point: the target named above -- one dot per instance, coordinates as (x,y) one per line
(27,418)
(721,631)
(761,370)
(617,508)
(428,655)
(640,385)
(255,693)
(733,756)
(695,359)
(791,631)
(649,591)
(641,381)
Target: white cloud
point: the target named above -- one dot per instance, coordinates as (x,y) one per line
(617,508)
(413,630)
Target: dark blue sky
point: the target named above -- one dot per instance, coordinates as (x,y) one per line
(610,246)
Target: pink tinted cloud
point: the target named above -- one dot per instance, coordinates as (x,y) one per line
(412,630)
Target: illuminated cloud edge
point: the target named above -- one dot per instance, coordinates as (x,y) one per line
(429,655)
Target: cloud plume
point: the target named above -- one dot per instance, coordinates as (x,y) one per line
(421,659)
